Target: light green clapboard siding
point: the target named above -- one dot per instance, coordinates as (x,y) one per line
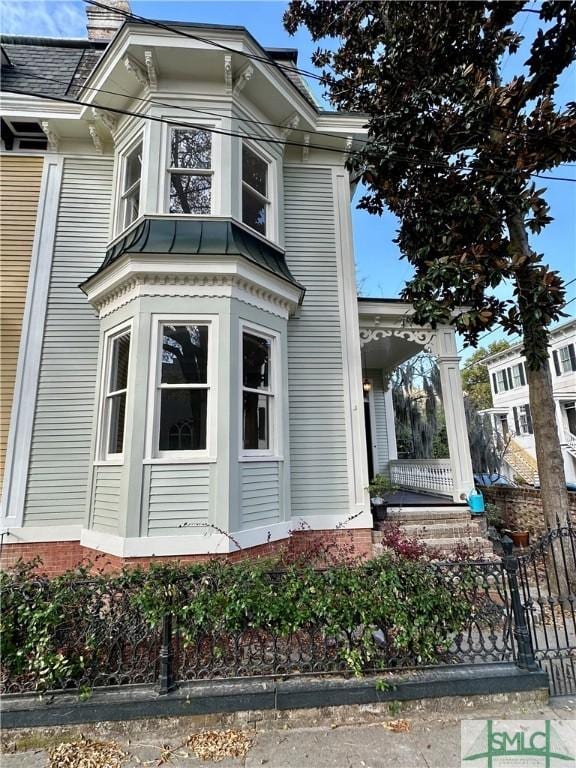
(318,446)
(260,490)
(60,451)
(381,428)
(176,498)
(106,498)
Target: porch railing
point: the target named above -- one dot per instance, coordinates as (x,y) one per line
(423,474)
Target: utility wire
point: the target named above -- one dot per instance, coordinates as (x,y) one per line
(264,139)
(498,325)
(168,28)
(513,340)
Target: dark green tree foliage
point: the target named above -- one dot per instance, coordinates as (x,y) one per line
(452,148)
(419,417)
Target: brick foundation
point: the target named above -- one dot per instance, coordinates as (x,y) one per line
(60,556)
(521,508)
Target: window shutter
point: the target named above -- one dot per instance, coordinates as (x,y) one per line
(522,375)
(556,362)
(516,422)
(529,419)
(508,373)
(494,383)
(572,354)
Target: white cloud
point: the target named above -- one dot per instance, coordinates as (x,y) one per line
(43,18)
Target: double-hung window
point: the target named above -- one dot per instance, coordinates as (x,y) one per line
(182,388)
(523,420)
(115,389)
(131,186)
(255,200)
(518,379)
(501,380)
(190,170)
(257,392)
(566,359)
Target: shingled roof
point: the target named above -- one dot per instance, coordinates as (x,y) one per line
(52,66)
(60,66)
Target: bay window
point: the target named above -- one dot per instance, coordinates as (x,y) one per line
(131,180)
(257,392)
(182,388)
(115,389)
(190,170)
(255,184)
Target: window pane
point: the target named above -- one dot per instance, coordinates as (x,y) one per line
(190,194)
(254,170)
(253,211)
(255,420)
(255,361)
(120,358)
(190,149)
(132,203)
(184,354)
(133,167)
(183,419)
(117,405)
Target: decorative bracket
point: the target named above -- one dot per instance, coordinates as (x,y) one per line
(243,79)
(289,125)
(151,69)
(228,83)
(306,148)
(96,138)
(417,336)
(136,69)
(106,118)
(348,146)
(51,135)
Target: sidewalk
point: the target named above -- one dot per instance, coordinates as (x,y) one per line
(430,741)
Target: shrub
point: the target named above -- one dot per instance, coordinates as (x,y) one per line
(67,631)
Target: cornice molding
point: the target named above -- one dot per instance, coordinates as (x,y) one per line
(138,285)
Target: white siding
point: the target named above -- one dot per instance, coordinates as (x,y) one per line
(318,445)
(60,452)
(178,498)
(260,493)
(106,498)
(380,426)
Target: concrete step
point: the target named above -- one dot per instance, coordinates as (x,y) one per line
(414,514)
(472,542)
(449,530)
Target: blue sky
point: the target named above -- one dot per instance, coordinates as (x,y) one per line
(382,273)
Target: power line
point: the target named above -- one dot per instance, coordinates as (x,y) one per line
(498,325)
(264,139)
(513,340)
(167,27)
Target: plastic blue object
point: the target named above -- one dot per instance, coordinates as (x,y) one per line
(476,502)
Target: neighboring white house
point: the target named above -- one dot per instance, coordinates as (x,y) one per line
(187,347)
(511,410)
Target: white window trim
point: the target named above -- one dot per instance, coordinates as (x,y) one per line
(119,208)
(560,362)
(153,454)
(125,194)
(273,453)
(272,191)
(215,171)
(104,458)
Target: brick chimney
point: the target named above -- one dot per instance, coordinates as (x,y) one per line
(102,23)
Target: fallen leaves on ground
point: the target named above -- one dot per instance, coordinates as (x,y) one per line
(216,745)
(86,754)
(398,726)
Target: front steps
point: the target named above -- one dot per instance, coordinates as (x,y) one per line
(443,528)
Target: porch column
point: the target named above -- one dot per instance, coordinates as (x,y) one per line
(444,347)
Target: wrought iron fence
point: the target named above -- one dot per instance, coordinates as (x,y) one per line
(104,639)
(547,578)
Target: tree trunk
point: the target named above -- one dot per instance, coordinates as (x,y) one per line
(554,494)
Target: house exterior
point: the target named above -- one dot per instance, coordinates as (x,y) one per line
(511,414)
(183,348)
